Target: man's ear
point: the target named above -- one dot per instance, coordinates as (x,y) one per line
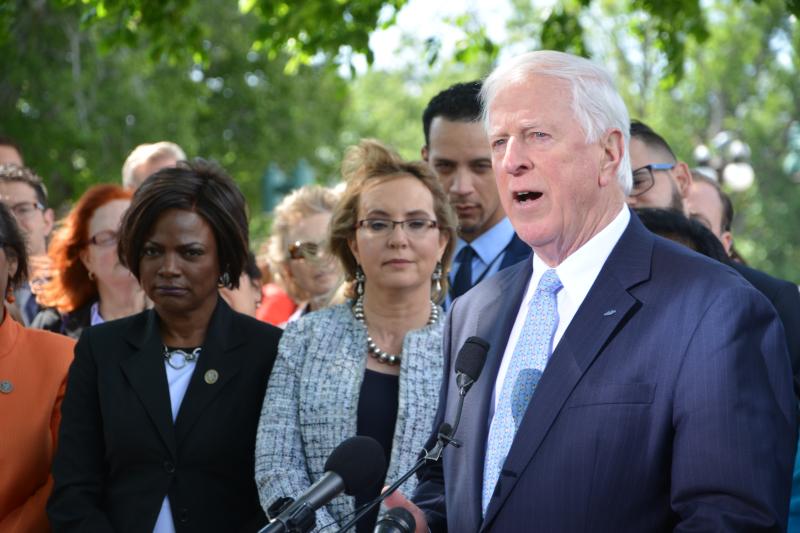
(613,146)
(49,219)
(424,152)
(683,176)
(727,241)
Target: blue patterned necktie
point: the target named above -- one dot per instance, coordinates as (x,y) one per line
(524,370)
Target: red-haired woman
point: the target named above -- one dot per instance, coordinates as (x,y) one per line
(90,286)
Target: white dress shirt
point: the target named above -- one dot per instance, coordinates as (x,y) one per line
(178,380)
(577,273)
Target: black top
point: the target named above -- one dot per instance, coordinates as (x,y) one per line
(377,413)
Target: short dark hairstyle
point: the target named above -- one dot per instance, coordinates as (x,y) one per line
(198,186)
(643,132)
(251,267)
(9,173)
(676,226)
(459,102)
(727,205)
(13,243)
(5,140)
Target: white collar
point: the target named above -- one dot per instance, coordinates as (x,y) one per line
(580,269)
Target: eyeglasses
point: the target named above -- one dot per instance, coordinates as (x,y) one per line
(643,179)
(383,227)
(304,250)
(104,238)
(25,210)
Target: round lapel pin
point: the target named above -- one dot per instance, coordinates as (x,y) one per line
(6,386)
(211,376)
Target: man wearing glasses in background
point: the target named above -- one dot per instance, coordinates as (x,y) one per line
(661,180)
(24,193)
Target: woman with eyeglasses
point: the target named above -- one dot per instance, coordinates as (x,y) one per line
(373,365)
(89,285)
(296,257)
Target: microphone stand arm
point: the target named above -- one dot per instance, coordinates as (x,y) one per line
(432,455)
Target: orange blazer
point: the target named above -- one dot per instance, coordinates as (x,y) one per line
(33,374)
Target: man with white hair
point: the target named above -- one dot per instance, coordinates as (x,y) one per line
(146,159)
(630,384)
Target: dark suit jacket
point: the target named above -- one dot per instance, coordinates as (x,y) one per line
(70,324)
(786,299)
(119,451)
(516,251)
(667,405)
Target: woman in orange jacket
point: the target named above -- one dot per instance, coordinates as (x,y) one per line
(33,373)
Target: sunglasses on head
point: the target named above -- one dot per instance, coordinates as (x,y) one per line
(304,250)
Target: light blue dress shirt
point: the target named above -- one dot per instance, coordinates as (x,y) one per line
(489,249)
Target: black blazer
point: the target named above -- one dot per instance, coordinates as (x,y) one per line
(785,297)
(120,453)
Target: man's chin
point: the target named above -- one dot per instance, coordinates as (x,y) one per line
(468,231)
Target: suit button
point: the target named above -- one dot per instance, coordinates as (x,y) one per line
(183,515)
(169,466)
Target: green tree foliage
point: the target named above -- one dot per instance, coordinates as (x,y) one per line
(293,31)
(77,111)
(742,79)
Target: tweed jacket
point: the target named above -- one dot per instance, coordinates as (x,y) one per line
(312,400)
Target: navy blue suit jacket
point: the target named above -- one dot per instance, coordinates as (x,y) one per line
(667,405)
(786,299)
(516,251)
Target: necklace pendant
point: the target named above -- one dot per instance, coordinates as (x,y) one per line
(178,359)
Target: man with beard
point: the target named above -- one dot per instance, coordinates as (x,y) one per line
(457,150)
(661,180)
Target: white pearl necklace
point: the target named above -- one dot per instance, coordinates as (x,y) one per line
(372,348)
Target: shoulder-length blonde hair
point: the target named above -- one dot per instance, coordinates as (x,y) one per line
(370,163)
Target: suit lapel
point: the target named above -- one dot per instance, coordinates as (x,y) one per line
(494,323)
(593,326)
(216,366)
(144,369)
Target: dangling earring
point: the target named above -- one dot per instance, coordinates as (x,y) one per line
(360,279)
(224,280)
(436,277)
(91,275)
(10,298)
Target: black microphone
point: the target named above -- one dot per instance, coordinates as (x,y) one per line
(396,520)
(356,464)
(469,363)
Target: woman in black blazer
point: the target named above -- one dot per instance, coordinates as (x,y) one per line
(160,415)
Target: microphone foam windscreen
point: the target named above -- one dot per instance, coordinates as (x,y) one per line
(398,519)
(360,462)
(471,357)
